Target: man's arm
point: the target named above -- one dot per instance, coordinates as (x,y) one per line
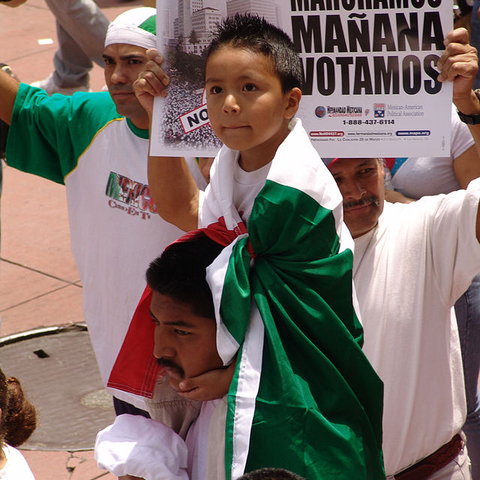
(459,64)
(467,166)
(8,93)
(173,188)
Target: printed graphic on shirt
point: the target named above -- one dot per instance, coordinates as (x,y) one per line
(130,196)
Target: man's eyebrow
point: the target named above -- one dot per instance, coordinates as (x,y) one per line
(127,56)
(174,323)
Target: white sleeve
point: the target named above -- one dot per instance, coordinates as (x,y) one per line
(462,139)
(452,235)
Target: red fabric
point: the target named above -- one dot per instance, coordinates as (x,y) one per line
(389,162)
(136,369)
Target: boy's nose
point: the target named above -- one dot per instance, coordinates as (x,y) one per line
(230,105)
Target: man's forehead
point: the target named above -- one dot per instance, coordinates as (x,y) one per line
(345,164)
(124,49)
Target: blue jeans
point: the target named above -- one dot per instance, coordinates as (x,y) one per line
(81,29)
(467,310)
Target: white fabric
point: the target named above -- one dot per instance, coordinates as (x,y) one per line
(16,467)
(125,29)
(246,186)
(241,188)
(139,446)
(232,191)
(408,273)
(113,277)
(422,176)
(197,441)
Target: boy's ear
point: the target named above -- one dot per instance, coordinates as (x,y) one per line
(293,102)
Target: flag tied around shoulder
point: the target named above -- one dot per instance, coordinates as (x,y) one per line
(303,397)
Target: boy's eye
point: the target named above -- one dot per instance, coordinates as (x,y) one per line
(250,87)
(215,90)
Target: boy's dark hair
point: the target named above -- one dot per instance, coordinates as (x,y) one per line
(180,274)
(254,33)
(271,474)
(19,417)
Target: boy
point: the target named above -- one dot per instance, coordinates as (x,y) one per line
(303,396)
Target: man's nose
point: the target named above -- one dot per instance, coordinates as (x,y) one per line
(352,190)
(119,75)
(162,347)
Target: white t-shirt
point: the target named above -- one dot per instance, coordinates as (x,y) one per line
(408,272)
(246,186)
(422,176)
(16,467)
(197,441)
(115,229)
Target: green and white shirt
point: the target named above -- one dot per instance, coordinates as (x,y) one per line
(101,158)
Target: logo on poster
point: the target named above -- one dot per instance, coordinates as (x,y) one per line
(379,110)
(320,111)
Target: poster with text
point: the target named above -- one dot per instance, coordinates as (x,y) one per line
(369,67)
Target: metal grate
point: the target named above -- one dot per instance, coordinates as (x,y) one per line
(59,373)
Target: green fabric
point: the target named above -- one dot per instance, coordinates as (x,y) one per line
(48,134)
(149,25)
(319,406)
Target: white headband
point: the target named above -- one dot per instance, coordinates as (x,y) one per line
(134,27)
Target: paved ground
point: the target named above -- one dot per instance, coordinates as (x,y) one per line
(39,283)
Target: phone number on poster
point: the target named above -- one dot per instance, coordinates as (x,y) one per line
(368,122)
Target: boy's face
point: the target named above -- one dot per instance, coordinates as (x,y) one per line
(185,344)
(246,106)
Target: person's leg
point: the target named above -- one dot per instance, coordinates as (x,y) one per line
(72,65)
(81,30)
(467,310)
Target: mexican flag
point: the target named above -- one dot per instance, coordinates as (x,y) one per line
(304,397)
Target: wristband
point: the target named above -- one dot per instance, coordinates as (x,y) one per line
(471,119)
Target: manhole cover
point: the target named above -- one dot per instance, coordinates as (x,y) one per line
(59,373)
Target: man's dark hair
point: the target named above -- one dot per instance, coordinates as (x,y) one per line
(180,274)
(251,32)
(271,474)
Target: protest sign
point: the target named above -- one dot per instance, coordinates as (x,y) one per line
(369,67)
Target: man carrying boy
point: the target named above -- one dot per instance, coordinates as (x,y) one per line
(185,346)
(303,396)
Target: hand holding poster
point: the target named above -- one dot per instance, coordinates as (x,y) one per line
(369,66)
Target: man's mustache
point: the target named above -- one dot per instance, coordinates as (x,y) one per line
(170,365)
(363,201)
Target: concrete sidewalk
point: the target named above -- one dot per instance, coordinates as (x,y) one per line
(39,282)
